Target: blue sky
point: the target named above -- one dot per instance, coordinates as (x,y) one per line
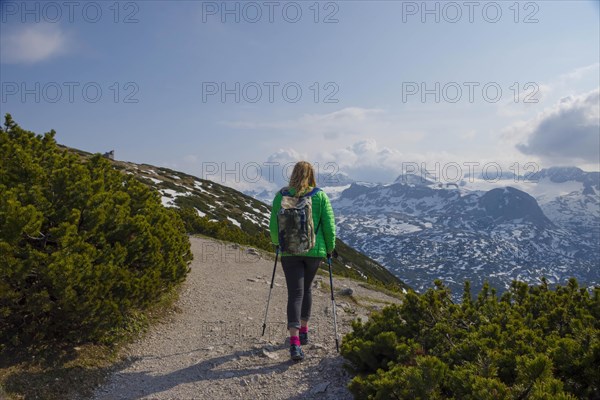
(165,56)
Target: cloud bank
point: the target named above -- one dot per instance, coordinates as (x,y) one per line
(568,133)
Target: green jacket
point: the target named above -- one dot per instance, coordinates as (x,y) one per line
(321,210)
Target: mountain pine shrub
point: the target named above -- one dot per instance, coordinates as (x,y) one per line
(83,247)
(533,342)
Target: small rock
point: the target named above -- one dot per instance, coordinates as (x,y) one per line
(346,292)
(343,305)
(317,346)
(268,354)
(320,388)
(244,382)
(252,280)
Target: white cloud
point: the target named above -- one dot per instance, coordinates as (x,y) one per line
(33,43)
(533,96)
(286,156)
(367,160)
(567,133)
(579,73)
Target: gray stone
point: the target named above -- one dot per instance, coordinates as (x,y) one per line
(268,354)
(320,388)
(317,346)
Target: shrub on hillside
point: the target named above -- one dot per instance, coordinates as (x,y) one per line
(531,343)
(82,246)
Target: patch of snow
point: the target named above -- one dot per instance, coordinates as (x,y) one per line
(235,222)
(154,180)
(169,201)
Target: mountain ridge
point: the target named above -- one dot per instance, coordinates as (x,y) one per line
(424,232)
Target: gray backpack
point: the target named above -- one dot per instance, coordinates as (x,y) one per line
(295,222)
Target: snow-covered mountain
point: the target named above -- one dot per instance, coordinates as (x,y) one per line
(332,184)
(545,225)
(568,196)
(577,208)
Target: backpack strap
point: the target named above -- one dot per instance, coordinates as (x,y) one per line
(312,192)
(285,191)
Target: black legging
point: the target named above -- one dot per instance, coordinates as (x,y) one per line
(299,274)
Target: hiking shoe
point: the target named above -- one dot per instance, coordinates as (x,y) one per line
(303,338)
(296,352)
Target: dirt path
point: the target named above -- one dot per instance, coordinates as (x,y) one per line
(211,347)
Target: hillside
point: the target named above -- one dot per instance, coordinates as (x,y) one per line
(219,203)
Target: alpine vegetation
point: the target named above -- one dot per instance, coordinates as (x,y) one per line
(533,342)
(84,248)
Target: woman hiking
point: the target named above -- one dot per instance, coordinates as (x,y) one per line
(315,239)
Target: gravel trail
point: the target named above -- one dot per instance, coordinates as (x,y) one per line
(211,346)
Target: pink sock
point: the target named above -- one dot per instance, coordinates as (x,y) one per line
(295,340)
(304,329)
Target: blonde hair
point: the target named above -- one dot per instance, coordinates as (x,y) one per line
(303,177)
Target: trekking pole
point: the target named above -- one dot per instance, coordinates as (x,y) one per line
(337,341)
(270,290)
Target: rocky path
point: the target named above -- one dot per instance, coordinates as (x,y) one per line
(211,347)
